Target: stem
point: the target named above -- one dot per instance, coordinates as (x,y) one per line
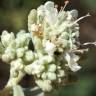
(11,82)
(14,81)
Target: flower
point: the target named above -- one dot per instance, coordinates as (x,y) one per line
(61,73)
(52,68)
(7,38)
(45,85)
(22,39)
(9,54)
(54,37)
(49,11)
(72,59)
(6,58)
(51,75)
(29,56)
(17,64)
(50,48)
(35,68)
(20,52)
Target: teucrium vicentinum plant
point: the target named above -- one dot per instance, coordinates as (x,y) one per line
(55,38)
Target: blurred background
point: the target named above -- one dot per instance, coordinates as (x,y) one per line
(13,17)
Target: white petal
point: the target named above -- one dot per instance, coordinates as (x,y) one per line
(67,57)
(72,61)
(49,5)
(51,12)
(74,13)
(50,48)
(75,67)
(74,57)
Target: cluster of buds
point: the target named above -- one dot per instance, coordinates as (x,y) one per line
(14,51)
(55,38)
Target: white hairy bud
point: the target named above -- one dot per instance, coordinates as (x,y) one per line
(10,52)
(7,38)
(5,58)
(50,58)
(22,39)
(50,48)
(17,64)
(51,76)
(44,75)
(34,68)
(29,56)
(52,68)
(61,73)
(20,52)
(45,85)
(46,59)
(13,72)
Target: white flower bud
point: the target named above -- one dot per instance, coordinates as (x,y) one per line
(28,70)
(22,39)
(61,73)
(44,75)
(20,52)
(50,48)
(5,58)
(51,76)
(34,68)
(50,58)
(12,44)
(52,68)
(43,61)
(17,64)
(11,53)
(13,73)
(45,85)
(6,38)
(29,56)
(46,59)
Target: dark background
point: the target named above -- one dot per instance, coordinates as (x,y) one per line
(13,17)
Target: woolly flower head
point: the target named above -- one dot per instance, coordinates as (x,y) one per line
(55,39)
(59,27)
(54,34)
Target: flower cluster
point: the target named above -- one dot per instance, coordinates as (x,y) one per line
(15,51)
(55,38)
(55,35)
